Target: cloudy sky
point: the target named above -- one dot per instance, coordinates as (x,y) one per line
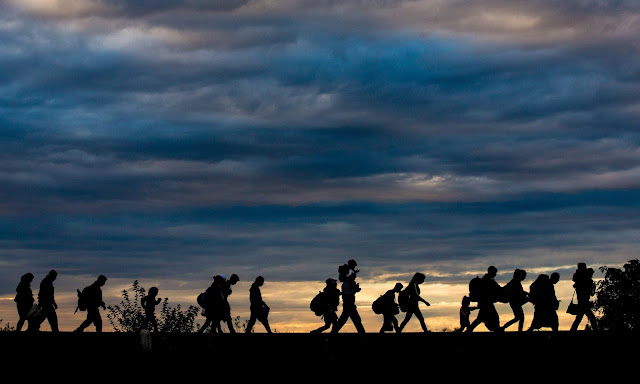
(170,140)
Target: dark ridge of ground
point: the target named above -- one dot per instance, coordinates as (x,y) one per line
(504,349)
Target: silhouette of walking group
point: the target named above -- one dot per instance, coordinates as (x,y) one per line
(484,291)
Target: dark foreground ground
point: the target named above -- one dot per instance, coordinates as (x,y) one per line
(535,349)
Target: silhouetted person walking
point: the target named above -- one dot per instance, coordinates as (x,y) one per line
(542,294)
(24,299)
(149,303)
(226,291)
(215,305)
(585,288)
(490,292)
(414,299)
(517,297)
(390,309)
(329,302)
(93,299)
(47,304)
(465,312)
(259,309)
(347,274)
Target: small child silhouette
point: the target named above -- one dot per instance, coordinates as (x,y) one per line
(149,303)
(465,312)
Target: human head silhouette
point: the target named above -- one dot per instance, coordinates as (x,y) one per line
(418,278)
(398,287)
(259,281)
(492,271)
(582,266)
(519,274)
(555,277)
(233,279)
(27,278)
(153,291)
(101,280)
(52,274)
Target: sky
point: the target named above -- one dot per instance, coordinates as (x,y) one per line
(167,141)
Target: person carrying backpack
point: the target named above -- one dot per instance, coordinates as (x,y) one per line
(214,305)
(545,303)
(489,293)
(517,297)
(329,299)
(93,300)
(389,309)
(347,273)
(584,288)
(413,300)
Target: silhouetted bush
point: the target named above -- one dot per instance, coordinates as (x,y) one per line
(618,298)
(129,315)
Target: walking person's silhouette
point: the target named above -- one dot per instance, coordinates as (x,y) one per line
(390,309)
(347,274)
(465,312)
(414,299)
(93,303)
(490,293)
(329,302)
(259,309)
(149,303)
(542,294)
(517,297)
(24,299)
(226,291)
(47,304)
(584,288)
(214,305)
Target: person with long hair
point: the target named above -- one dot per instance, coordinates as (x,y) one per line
(24,299)
(413,295)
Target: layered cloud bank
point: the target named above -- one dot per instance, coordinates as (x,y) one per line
(174,139)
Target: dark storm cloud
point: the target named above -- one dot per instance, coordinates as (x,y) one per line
(249,133)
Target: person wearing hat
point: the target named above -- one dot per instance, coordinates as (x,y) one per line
(94,302)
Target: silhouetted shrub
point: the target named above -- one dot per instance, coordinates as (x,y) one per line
(129,315)
(618,298)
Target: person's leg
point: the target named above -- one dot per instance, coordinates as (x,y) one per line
(344,316)
(421,320)
(52,317)
(592,320)
(576,322)
(357,321)
(97,321)
(407,317)
(265,321)
(250,323)
(207,323)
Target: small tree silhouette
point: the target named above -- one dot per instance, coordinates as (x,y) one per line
(129,315)
(618,298)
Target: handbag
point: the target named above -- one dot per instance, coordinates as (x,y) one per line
(573,308)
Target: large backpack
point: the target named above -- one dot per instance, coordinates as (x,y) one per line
(319,304)
(475,289)
(83,299)
(403,300)
(343,272)
(378,305)
(202,299)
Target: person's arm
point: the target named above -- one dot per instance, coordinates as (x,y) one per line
(415,291)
